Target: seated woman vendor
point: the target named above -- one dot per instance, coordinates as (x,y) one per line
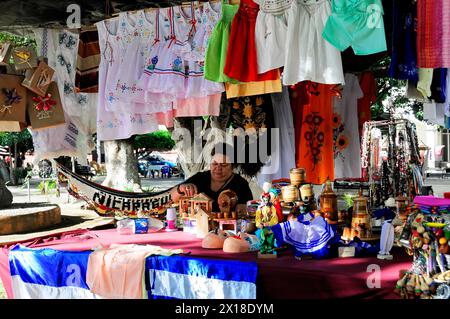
(219,178)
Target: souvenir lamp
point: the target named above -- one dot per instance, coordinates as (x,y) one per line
(328,203)
(361,226)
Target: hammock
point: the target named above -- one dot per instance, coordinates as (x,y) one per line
(112,202)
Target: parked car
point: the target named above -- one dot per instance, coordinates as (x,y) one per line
(145,166)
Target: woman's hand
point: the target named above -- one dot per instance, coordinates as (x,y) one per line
(188,189)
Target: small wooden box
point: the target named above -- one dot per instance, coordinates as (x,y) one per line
(39,79)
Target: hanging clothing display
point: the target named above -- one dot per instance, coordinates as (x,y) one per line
(253,115)
(271,33)
(358,24)
(316,148)
(116,125)
(208,105)
(241,61)
(216,52)
(253,88)
(369,88)
(308,55)
(209,17)
(86,79)
(347,151)
(283,157)
(298,96)
(60,47)
(438,85)
(404,50)
(433,33)
(434,113)
(126,50)
(425,80)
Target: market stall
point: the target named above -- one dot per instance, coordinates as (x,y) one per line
(295,101)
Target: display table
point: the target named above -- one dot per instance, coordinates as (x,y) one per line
(281,278)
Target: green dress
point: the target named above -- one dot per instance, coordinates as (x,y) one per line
(216,52)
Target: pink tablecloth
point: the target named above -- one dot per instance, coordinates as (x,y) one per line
(282,278)
(431,201)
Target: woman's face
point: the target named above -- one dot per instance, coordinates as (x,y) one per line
(221,168)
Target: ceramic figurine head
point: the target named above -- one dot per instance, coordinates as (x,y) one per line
(265,197)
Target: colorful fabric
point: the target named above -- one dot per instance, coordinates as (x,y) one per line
(369,88)
(253,88)
(88,60)
(404,35)
(347,149)
(179,277)
(433,33)
(119,271)
(55,274)
(316,148)
(241,61)
(358,24)
(108,201)
(216,52)
(306,237)
(49,274)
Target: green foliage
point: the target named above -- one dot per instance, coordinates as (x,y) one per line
(160,140)
(395,90)
(23,139)
(17,40)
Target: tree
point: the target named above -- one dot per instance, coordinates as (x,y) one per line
(121,166)
(391,95)
(156,141)
(17,142)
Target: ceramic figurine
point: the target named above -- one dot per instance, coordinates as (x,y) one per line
(266,217)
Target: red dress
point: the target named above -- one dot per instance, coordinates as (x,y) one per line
(241,62)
